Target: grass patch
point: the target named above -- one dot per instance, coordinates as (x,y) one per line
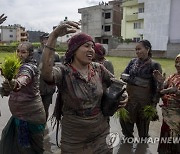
(120,63)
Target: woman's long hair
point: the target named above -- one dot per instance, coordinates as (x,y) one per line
(148,46)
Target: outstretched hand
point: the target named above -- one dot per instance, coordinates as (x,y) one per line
(9,85)
(66,28)
(171,90)
(158,76)
(2,18)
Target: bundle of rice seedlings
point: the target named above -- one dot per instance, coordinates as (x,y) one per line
(150,113)
(10,66)
(122,113)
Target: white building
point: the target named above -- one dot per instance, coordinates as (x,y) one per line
(161,23)
(8,33)
(13,33)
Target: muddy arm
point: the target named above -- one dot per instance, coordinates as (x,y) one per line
(49,49)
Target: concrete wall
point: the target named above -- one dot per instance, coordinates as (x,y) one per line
(156,23)
(174,32)
(124,49)
(92,22)
(128,50)
(173,50)
(132,53)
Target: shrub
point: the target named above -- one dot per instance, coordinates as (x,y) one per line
(8,48)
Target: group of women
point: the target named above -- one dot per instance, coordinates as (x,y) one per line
(81,84)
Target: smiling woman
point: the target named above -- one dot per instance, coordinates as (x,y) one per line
(139,77)
(170,93)
(25,129)
(80,83)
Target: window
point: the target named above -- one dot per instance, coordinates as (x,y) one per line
(11,30)
(141,10)
(136,39)
(105,41)
(102,26)
(107,15)
(107,28)
(137,25)
(10,35)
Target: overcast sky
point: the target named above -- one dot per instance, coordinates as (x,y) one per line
(42,14)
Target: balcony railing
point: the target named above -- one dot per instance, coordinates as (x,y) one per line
(141,1)
(140,15)
(130,3)
(132,17)
(140,31)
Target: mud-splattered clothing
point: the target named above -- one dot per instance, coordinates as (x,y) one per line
(24,131)
(171,117)
(108,65)
(84,128)
(142,91)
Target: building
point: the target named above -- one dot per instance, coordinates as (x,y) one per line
(133,21)
(161,25)
(103,21)
(13,33)
(155,20)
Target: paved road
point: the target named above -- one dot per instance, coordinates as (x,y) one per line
(121,148)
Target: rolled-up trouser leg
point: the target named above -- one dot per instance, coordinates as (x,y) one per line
(143,127)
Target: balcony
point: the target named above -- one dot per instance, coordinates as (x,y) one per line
(141,1)
(132,17)
(130,3)
(140,31)
(140,15)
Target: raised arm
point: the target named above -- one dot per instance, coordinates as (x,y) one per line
(49,49)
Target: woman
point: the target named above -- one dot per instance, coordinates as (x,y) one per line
(99,57)
(141,88)
(81,83)
(23,133)
(170,110)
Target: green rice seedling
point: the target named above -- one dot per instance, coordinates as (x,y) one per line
(150,113)
(122,113)
(10,66)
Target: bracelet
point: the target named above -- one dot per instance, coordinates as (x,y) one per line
(50,48)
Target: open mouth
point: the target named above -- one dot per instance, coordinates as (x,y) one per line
(90,56)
